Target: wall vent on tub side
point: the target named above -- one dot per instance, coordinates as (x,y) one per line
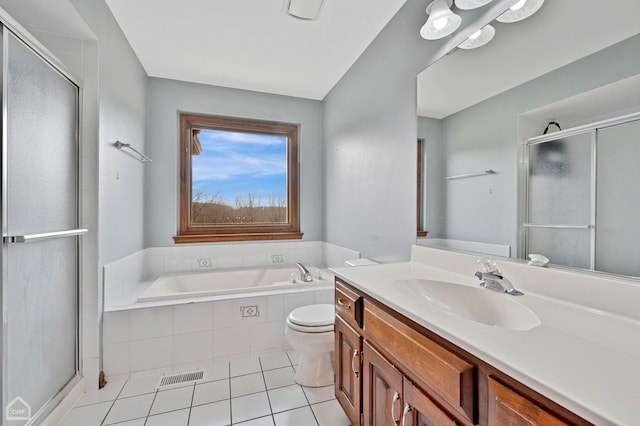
(181,378)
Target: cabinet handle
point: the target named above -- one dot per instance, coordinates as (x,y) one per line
(343,303)
(353,363)
(406,410)
(396,397)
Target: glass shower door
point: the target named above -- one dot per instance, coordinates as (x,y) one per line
(40,253)
(559,223)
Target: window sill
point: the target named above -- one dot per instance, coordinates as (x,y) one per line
(216,238)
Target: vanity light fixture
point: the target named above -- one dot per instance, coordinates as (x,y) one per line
(479,38)
(519,11)
(442,21)
(308,10)
(471,4)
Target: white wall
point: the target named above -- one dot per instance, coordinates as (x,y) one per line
(167,98)
(370,136)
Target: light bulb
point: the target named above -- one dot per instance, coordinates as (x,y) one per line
(440,23)
(475,35)
(518,5)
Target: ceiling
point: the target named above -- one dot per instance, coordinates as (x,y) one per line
(560,33)
(251,44)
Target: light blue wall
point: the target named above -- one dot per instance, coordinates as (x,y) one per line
(122,103)
(370,135)
(166,98)
(434,200)
(485,136)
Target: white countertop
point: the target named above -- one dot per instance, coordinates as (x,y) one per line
(582,358)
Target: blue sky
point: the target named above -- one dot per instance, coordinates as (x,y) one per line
(237,163)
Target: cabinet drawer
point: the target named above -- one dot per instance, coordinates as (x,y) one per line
(508,407)
(444,373)
(348,305)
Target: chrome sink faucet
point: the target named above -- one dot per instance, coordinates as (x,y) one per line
(305,275)
(492,279)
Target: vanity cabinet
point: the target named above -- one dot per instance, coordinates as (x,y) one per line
(508,407)
(392,371)
(348,352)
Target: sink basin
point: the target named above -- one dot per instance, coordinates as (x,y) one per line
(474,304)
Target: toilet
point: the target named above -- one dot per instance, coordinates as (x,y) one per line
(309,331)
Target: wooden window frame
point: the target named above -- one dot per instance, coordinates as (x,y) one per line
(196,233)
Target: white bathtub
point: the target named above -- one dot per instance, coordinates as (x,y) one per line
(218,283)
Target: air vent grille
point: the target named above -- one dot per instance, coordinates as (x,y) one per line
(177,379)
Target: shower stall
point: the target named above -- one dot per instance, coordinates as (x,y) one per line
(40,228)
(582,197)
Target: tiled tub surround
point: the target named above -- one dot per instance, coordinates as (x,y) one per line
(127,278)
(154,337)
(585,354)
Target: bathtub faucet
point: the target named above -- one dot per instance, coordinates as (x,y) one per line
(305,275)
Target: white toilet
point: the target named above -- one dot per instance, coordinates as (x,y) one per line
(309,331)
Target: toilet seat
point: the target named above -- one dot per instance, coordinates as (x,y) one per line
(312,318)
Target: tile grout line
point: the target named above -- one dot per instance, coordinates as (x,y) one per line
(266,391)
(114,402)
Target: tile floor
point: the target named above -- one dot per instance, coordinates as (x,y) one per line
(250,391)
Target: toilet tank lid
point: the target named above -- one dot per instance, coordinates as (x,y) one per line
(313,315)
(360,262)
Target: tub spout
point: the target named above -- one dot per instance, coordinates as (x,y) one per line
(305,275)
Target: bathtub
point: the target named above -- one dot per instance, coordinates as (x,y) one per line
(218,283)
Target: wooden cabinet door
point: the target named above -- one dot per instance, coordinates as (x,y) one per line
(348,353)
(420,410)
(509,408)
(381,389)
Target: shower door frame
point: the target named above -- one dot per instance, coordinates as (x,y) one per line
(523,184)
(10,25)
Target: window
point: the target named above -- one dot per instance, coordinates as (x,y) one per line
(238,180)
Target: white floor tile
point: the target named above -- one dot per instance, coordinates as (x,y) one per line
(287,398)
(244,385)
(218,370)
(330,413)
(293,357)
(316,395)
(89,415)
(279,378)
(130,408)
(174,418)
(249,407)
(171,400)
(244,366)
(108,393)
(262,421)
(136,422)
(271,362)
(299,416)
(211,392)
(215,414)
(140,385)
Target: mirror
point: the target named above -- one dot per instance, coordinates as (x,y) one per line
(569,63)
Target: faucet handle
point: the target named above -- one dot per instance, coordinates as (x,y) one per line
(488,265)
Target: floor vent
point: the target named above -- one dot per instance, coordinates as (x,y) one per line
(178,379)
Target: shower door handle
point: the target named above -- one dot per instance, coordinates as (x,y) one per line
(20,239)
